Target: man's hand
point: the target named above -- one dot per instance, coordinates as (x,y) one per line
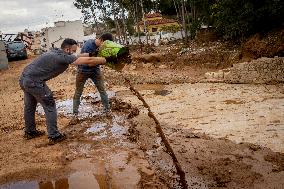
(92,54)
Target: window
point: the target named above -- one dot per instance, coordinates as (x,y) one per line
(16,46)
(154,29)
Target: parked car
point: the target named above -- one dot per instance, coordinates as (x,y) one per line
(16,49)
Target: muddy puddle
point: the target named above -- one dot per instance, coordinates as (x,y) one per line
(113,129)
(90,105)
(87,175)
(97,151)
(75,181)
(155,89)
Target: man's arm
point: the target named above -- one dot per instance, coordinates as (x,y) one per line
(88,54)
(83,55)
(90,61)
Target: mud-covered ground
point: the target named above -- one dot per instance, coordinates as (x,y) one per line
(224,136)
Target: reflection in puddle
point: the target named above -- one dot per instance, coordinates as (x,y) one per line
(78,180)
(21,185)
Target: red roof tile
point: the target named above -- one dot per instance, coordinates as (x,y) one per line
(157,22)
(153,15)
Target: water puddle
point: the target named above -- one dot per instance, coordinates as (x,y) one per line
(152,87)
(88,175)
(88,107)
(96,128)
(162,92)
(115,128)
(234,102)
(79,180)
(156,89)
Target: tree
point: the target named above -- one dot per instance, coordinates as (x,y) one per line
(241,18)
(88,8)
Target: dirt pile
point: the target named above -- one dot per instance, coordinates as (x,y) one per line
(213,55)
(175,63)
(264,45)
(262,70)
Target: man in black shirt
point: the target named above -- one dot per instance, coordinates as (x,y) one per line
(33,83)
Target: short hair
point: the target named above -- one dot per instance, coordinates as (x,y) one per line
(67,43)
(106,36)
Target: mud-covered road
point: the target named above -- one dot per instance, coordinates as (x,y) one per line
(224,136)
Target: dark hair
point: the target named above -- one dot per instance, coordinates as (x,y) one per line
(106,36)
(68,42)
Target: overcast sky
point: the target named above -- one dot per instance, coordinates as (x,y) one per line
(17,15)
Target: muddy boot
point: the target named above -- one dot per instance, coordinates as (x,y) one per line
(33,134)
(54,140)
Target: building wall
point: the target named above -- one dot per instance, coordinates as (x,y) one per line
(55,35)
(31,39)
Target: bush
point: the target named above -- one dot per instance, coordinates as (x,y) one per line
(171,28)
(241,18)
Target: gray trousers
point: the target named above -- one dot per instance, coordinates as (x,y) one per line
(38,92)
(98,80)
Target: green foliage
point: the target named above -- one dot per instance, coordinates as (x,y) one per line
(109,22)
(171,28)
(129,24)
(193,27)
(166,7)
(241,18)
(230,18)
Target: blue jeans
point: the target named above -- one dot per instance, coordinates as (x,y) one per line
(98,80)
(38,92)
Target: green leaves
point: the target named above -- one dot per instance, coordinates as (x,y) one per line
(241,18)
(171,28)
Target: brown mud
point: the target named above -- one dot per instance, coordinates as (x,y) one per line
(224,136)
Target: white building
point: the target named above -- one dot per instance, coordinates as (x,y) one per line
(53,36)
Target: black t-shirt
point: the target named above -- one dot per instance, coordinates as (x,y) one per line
(48,65)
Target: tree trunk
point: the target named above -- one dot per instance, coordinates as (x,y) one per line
(136,19)
(184,21)
(117,26)
(124,25)
(143,17)
(95,20)
(177,7)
